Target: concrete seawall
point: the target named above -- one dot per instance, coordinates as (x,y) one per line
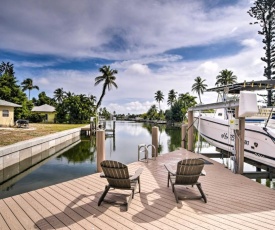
(18,157)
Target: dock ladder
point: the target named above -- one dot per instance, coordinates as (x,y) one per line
(143,149)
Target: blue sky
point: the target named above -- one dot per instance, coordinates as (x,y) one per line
(154,45)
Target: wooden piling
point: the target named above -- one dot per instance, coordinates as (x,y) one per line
(100,148)
(183,135)
(155,133)
(239,142)
(190,131)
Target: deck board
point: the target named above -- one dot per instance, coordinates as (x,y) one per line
(9,217)
(35,216)
(232,207)
(234,202)
(3,224)
(20,215)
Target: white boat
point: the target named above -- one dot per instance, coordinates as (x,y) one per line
(259,143)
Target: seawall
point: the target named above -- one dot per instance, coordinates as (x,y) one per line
(18,157)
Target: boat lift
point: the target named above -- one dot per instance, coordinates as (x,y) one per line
(236,89)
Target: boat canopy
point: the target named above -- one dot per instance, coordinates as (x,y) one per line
(248,86)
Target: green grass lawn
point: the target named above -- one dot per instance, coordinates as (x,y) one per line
(10,136)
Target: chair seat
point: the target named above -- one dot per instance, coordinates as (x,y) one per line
(118,177)
(187,173)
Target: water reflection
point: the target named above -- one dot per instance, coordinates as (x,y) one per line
(85,152)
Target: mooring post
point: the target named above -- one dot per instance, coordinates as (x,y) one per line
(183,135)
(155,133)
(114,126)
(239,142)
(100,148)
(190,131)
(91,126)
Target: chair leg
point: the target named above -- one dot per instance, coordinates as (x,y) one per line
(129,201)
(103,194)
(202,193)
(133,193)
(139,184)
(168,179)
(175,193)
(173,187)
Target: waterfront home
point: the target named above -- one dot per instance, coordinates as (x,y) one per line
(7,113)
(47,111)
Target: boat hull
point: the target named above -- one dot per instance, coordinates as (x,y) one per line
(259,145)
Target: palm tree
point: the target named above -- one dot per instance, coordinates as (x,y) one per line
(69,94)
(226,77)
(187,99)
(59,95)
(108,78)
(152,112)
(199,87)
(27,84)
(172,96)
(92,99)
(6,68)
(159,97)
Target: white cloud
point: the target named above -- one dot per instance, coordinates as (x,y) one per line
(209,67)
(116,29)
(43,81)
(136,36)
(137,68)
(250,42)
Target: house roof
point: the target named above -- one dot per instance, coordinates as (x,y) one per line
(43,108)
(10,104)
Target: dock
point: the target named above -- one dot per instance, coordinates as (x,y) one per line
(109,130)
(233,202)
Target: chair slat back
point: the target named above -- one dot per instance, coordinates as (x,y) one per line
(188,171)
(116,173)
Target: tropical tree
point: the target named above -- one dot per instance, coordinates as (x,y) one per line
(105,113)
(187,99)
(226,77)
(27,84)
(172,96)
(11,91)
(264,12)
(177,111)
(6,68)
(59,95)
(108,78)
(159,97)
(152,113)
(199,86)
(74,109)
(92,99)
(43,99)
(187,102)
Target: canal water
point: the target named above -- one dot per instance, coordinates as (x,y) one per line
(80,159)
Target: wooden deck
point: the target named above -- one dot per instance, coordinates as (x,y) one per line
(234,202)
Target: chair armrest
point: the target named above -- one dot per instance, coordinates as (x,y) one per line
(102,175)
(137,174)
(170,170)
(203,173)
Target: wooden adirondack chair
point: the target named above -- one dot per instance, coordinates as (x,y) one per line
(187,173)
(118,177)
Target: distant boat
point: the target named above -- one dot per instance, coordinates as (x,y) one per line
(259,143)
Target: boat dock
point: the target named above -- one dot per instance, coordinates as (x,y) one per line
(234,202)
(109,129)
